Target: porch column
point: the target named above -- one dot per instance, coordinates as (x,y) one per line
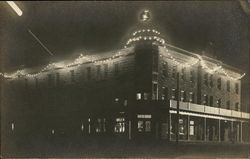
(241,131)
(219,131)
(232,131)
(129,129)
(188,122)
(205,129)
(169,127)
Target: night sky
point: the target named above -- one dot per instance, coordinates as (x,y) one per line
(219,29)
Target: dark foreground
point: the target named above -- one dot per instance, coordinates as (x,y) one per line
(127,149)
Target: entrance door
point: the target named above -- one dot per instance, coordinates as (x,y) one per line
(144,125)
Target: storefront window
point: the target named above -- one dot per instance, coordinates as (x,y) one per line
(191,127)
(140,125)
(181,127)
(119,125)
(148,126)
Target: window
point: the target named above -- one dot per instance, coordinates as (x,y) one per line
(105,70)
(219,83)
(237,106)
(205,102)
(164,93)
(219,103)
(237,88)
(155,62)
(211,101)
(228,104)
(144,123)
(116,69)
(165,69)
(12,126)
(183,96)
(206,79)
(174,69)
(26,83)
(138,96)
(125,102)
(89,73)
(116,100)
(155,91)
(119,125)
(181,127)
(146,96)
(228,86)
(183,71)
(173,94)
(147,126)
(191,76)
(211,83)
(191,97)
(191,127)
(100,125)
(50,80)
(140,125)
(57,79)
(36,82)
(98,72)
(82,127)
(72,76)
(155,77)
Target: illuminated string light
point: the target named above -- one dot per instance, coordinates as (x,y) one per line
(82,59)
(78,61)
(203,65)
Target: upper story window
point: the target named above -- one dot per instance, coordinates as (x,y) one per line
(228,104)
(191,76)
(105,70)
(98,71)
(237,106)
(116,69)
(228,86)
(72,75)
(205,102)
(145,96)
(57,79)
(155,63)
(237,88)
(211,82)
(138,96)
(165,69)
(26,83)
(191,99)
(88,73)
(164,93)
(219,83)
(174,70)
(183,96)
(183,72)
(218,103)
(36,82)
(50,80)
(206,79)
(173,94)
(211,101)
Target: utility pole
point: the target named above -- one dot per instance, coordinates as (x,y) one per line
(178,107)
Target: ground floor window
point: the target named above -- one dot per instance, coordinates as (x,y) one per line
(144,122)
(119,125)
(191,127)
(100,125)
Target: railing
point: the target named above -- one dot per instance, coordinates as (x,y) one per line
(209,110)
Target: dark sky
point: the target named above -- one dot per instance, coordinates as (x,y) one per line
(66,28)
